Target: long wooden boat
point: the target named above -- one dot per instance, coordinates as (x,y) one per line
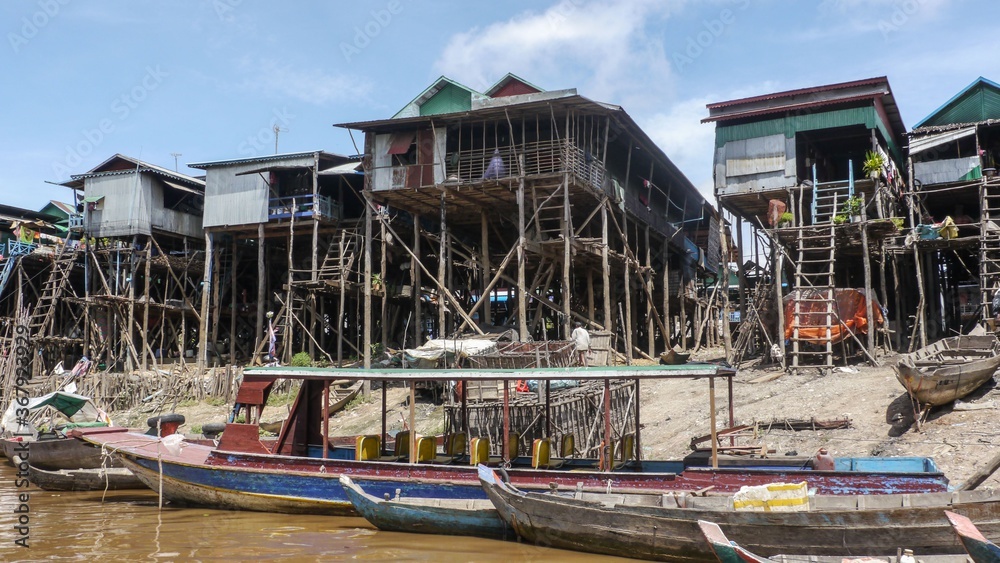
(207,476)
(727,551)
(50,448)
(298,471)
(53,453)
(99,479)
(949,369)
(666,528)
(980,549)
(460,517)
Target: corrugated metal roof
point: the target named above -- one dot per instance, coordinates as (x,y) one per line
(977,102)
(155,170)
(448,99)
(104,169)
(327,158)
(401,123)
(876,90)
(349,168)
(441,83)
(507,78)
(801,92)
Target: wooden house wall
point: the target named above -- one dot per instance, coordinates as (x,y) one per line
(240,200)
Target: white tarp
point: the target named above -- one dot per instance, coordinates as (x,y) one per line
(920,144)
(427,355)
(75,408)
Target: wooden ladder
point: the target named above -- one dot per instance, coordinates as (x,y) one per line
(548,213)
(340,258)
(989,243)
(814,284)
(44,311)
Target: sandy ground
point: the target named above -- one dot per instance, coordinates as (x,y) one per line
(675,411)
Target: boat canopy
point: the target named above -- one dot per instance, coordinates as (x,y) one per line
(77,409)
(686,371)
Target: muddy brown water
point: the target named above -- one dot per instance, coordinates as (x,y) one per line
(128,526)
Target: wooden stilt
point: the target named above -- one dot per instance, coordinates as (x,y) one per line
(442,265)
(522,298)
(206,293)
(418,332)
(484,294)
(567,288)
(261,285)
(605,267)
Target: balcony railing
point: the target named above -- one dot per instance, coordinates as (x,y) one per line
(18,248)
(75,222)
(304,206)
(497,163)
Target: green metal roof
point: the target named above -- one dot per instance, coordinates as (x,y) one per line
(449,99)
(979,101)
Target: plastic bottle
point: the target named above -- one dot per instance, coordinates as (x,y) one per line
(823,461)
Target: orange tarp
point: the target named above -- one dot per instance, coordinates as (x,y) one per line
(849,309)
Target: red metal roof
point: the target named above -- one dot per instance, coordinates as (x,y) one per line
(801,91)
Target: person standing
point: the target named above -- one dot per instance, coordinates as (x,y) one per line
(581,340)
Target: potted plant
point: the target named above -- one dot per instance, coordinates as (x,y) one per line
(839,219)
(376,282)
(786,219)
(873,164)
(852,208)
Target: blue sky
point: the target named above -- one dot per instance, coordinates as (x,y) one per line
(209,79)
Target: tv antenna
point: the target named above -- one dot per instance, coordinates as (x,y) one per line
(277,131)
(175,155)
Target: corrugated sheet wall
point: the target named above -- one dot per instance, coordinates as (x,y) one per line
(240,200)
(806,122)
(125,208)
(170,221)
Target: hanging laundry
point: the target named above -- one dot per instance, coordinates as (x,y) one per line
(496,168)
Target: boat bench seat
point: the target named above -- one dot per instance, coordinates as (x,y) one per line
(454,448)
(541,452)
(479,450)
(369,448)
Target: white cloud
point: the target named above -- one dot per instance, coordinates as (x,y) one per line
(602,48)
(314,85)
(688,142)
(842,18)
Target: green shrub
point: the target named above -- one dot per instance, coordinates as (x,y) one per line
(301,360)
(281,399)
